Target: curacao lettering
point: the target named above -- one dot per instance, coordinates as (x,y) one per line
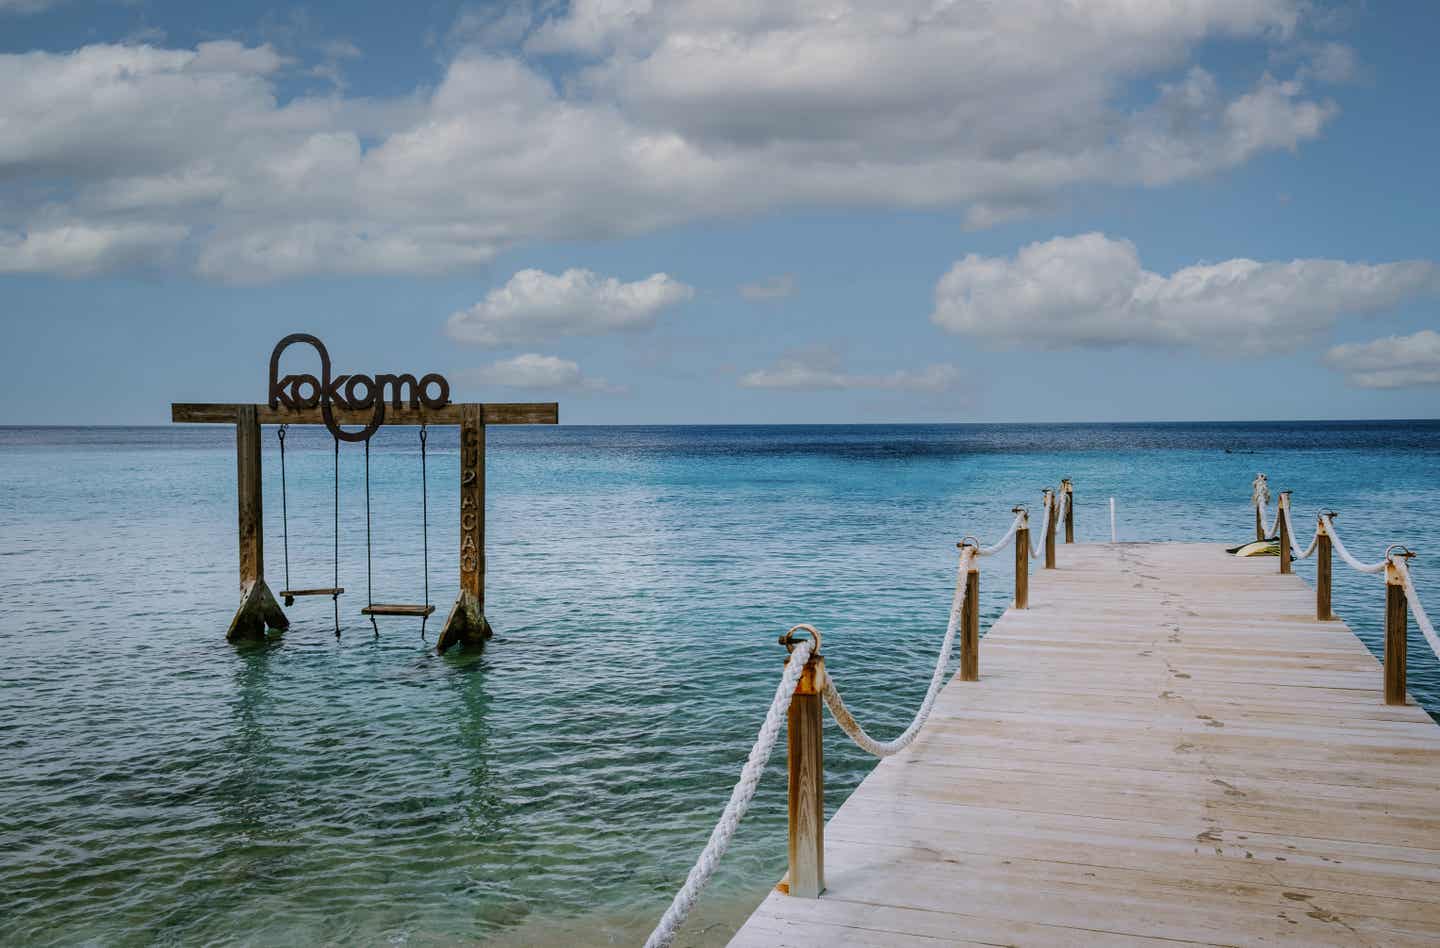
(350,392)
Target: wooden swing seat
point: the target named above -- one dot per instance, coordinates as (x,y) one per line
(289,594)
(397,609)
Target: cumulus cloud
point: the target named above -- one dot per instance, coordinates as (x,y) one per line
(1391,362)
(534,371)
(534,306)
(819,369)
(612,119)
(1090,290)
(774,288)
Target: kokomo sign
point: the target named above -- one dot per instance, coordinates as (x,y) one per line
(350,392)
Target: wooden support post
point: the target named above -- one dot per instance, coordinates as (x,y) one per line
(258,608)
(806,756)
(1322,572)
(466,624)
(1259,524)
(1022,561)
(1284,519)
(1050,515)
(970,626)
(1069,491)
(1395,621)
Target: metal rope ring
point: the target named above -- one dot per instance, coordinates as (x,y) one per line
(1019,509)
(422,434)
(788,639)
(281,432)
(969,541)
(1398,546)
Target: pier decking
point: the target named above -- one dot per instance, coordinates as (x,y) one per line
(1165,747)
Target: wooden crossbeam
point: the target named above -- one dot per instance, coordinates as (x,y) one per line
(491,413)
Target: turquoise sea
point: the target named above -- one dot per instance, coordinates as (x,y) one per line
(159,786)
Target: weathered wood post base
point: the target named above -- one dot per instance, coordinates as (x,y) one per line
(258,611)
(970,626)
(1322,573)
(1395,621)
(1284,531)
(804,741)
(1069,491)
(1022,561)
(1259,524)
(1050,517)
(466,624)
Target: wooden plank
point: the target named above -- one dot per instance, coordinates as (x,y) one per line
(1165,746)
(397,609)
(493,413)
(331,591)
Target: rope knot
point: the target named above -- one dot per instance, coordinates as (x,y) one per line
(1260,490)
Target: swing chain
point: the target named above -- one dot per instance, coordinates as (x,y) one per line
(424,525)
(284,509)
(335,584)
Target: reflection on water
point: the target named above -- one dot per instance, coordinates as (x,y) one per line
(162,786)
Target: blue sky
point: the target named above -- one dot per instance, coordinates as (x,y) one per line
(727,212)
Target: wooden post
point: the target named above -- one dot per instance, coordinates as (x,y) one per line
(1395,620)
(1259,524)
(1284,519)
(1022,561)
(1322,572)
(970,625)
(1050,515)
(1069,490)
(466,624)
(806,755)
(258,608)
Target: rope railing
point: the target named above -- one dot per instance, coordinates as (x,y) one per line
(739,802)
(805,684)
(847,721)
(1401,598)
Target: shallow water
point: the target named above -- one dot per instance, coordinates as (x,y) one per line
(159,785)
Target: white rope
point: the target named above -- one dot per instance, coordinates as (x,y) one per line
(1295,547)
(847,721)
(1044,527)
(1416,609)
(740,799)
(1260,499)
(1345,554)
(1004,541)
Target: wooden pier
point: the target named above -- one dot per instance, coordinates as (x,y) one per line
(1166,746)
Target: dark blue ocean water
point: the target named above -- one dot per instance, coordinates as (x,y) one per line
(160,786)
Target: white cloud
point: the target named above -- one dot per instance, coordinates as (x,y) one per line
(819,369)
(79,249)
(1390,362)
(534,306)
(1090,290)
(652,115)
(774,288)
(534,371)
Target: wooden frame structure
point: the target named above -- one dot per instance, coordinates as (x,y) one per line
(258,609)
